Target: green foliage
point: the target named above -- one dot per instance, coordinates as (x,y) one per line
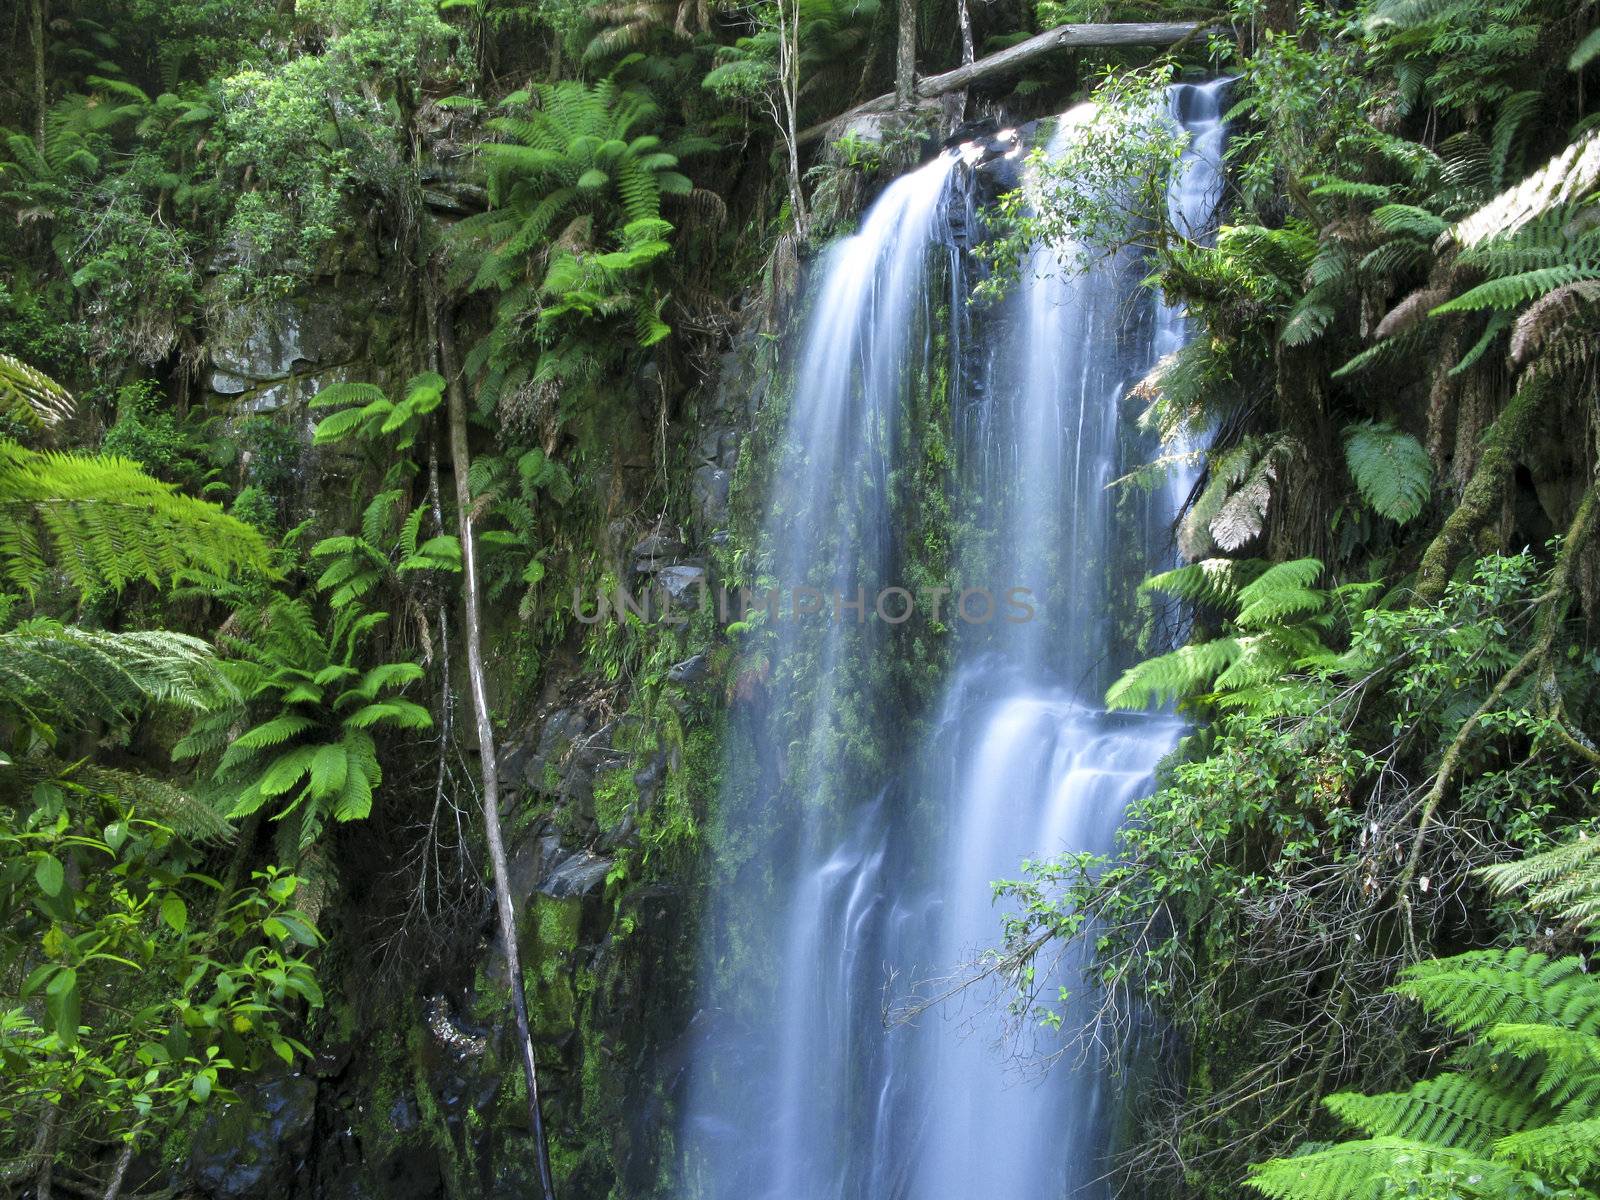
(833,34)
(1097,186)
(576,226)
(31,397)
(630,24)
(1391,469)
(367,413)
(102,522)
(386,546)
(55,677)
(515,554)
(1290,866)
(1512,1120)
(131,1012)
(1279,621)
(309,708)
(1563,882)
(1456,54)
(148,432)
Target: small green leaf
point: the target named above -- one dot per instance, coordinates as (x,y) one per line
(175,913)
(62,1002)
(49,874)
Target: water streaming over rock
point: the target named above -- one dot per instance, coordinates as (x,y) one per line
(792,938)
(801,1090)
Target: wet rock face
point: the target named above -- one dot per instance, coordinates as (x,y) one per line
(252,1148)
(725,414)
(573,751)
(269,360)
(578,874)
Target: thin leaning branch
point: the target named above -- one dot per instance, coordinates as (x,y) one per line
(1014,58)
(472,630)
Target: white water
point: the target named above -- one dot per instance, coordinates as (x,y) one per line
(792,951)
(798,1090)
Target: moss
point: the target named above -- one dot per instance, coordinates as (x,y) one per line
(456,1160)
(615,797)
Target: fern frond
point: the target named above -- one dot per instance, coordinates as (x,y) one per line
(1241,514)
(1410,220)
(1564,881)
(104,522)
(1569,1061)
(1213,581)
(61,676)
(1360,1170)
(30,396)
(1391,469)
(1539,325)
(1450,1110)
(1174,675)
(1495,987)
(186,815)
(1565,1150)
(1514,290)
(1567,177)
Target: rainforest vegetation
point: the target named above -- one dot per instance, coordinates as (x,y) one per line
(343,341)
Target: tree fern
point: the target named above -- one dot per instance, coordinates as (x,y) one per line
(1563,882)
(57,677)
(366,412)
(1512,291)
(1275,612)
(1513,1119)
(1169,676)
(1231,509)
(1409,219)
(1363,1170)
(103,522)
(1213,581)
(1391,469)
(1492,987)
(1450,1110)
(1565,178)
(308,704)
(574,234)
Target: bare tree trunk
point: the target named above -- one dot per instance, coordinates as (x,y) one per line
(461,462)
(44,1150)
(905,61)
(964,14)
(120,1172)
(39,93)
(789,91)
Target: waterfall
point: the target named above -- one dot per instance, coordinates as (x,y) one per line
(1030,764)
(834,872)
(792,937)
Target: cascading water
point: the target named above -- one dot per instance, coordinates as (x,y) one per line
(1031,764)
(798,1091)
(792,936)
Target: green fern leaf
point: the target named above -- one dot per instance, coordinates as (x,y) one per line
(1391,469)
(329,768)
(1586,52)
(1452,1110)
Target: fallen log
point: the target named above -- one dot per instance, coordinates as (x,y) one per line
(1062,37)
